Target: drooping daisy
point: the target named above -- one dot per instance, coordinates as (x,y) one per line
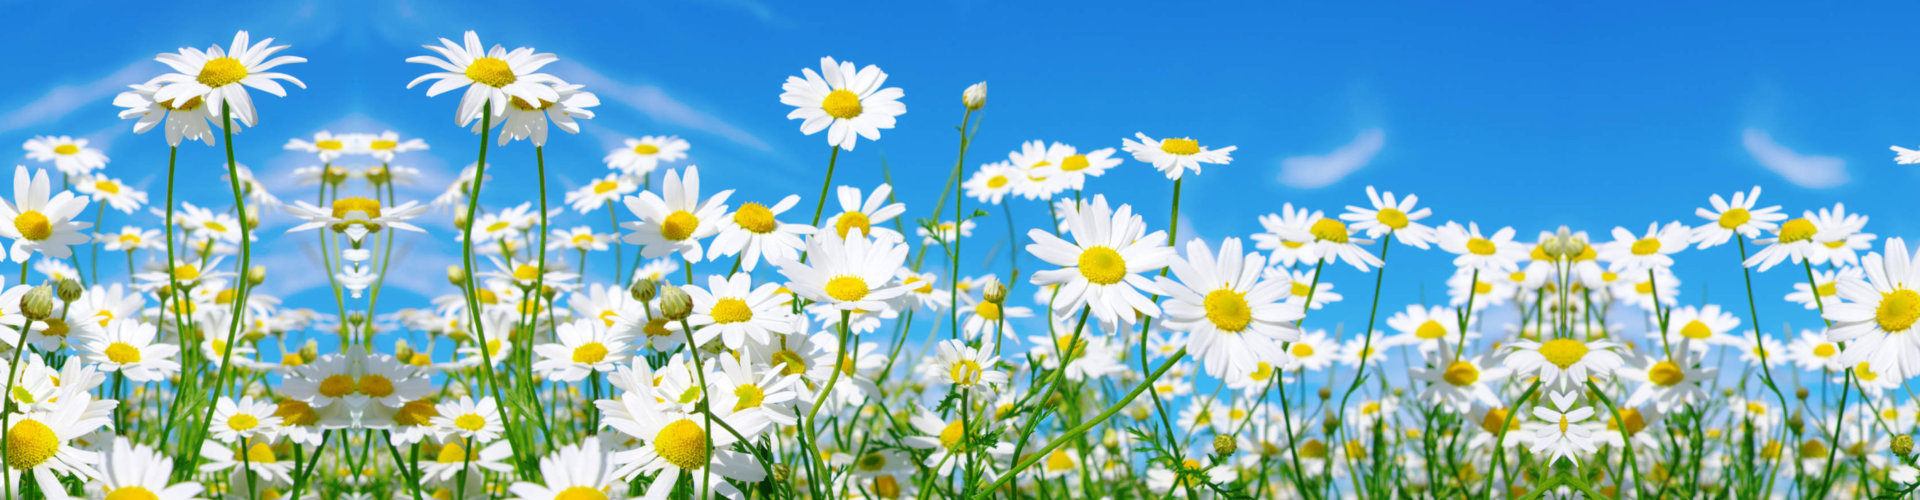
(325,145)
(738,312)
(1498,253)
(190,120)
(576,471)
(39,221)
(640,156)
(845,103)
(677,222)
(1736,216)
(1175,156)
(1871,317)
(1562,364)
(1564,430)
(70,155)
(527,119)
(468,420)
(601,192)
(579,348)
(1667,384)
(1102,268)
(1630,254)
(492,77)
(848,274)
(127,347)
(993,182)
(219,78)
(1840,234)
(1236,319)
(1388,215)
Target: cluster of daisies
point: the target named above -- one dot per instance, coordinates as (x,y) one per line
(745,349)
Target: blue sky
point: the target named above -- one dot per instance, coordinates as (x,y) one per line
(1505,113)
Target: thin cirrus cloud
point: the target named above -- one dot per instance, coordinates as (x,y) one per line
(61,100)
(1807,171)
(655,103)
(1317,171)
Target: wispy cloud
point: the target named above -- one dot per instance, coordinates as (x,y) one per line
(1316,171)
(759,10)
(655,103)
(63,99)
(1807,171)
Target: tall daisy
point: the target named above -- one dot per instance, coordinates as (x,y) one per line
(131,470)
(993,182)
(579,470)
(190,120)
(1102,267)
(492,77)
(70,155)
(847,104)
(1236,319)
(1497,253)
(601,192)
(527,119)
(677,222)
(732,309)
(220,77)
(754,233)
(1727,217)
(1175,156)
(1562,364)
(581,347)
(385,145)
(1628,253)
(39,221)
(849,274)
(1870,317)
(866,217)
(638,157)
(325,145)
(1390,216)
(112,192)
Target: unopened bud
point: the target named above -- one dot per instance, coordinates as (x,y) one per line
(1223,445)
(378,175)
(460,221)
(975,97)
(456,276)
(1796,422)
(356,319)
(401,350)
(69,290)
(256,275)
(1903,445)
(644,290)
(252,218)
(675,304)
(311,350)
(37,304)
(994,291)
(1325,393)
(1800,394)
(1330,424)
(333,175)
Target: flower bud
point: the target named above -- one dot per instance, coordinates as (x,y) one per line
(311,350)
(1223,445)
(1325,393)
(994,291)
(675,304)
(333,175)
(975,97)
(1903,445)
(1800,393)
(378,175)
(37,304)
(356,318)
(460,221)
(456,276)
(401,350)
(69,290)
(644,290)
(256,275)
(253,218)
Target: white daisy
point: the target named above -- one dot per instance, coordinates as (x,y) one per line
(492,77)
(755,232)
(1388,215)
(189,120)
(1102,268)
(1236,319)
(1175,156)
(676,223)
(39,221)
(735,311)
(219,78)
(1736,216)
(526,119)
(845,103)
(325,145)
(601,192)
(640,156)
(70,155)
(1630,254)
(849,274)
(1871,317)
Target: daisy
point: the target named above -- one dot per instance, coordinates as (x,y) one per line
(218,78)
(1826,284)
(982,318)
(993,182)
(1286,236)
(1498,253)
(1870,317)
(1334,242)
(1794,240)
(452,457)
(948,440)
(601,192)
(967,368)
(1667,384)
(383,147)
(676,223)
(856,215)
(112,192)
(1640,290)
(1236,319)
(849,274)
(1840,233)
(1627,254)
(325,145)
(1042,174)
(1313,352)
(737,312)
(1482,291)
(1562,364)
(1390,216)
(1073,168)
(528,119)
(1102,268)
(190,120)
(132,470)
(468,420)
(921,292)
(1813,352)
(493,77)
(41,442)
(1564,430)
(1175,156)
(39,221)
(259,459)
(1427,327)
(581,238)
(579,470)
(1463,383)
(1707,324)
(357,217)
(127,347)
(1756,349)
(245,420)
(70,155)
(754,232)
(580,347)
(743,386)
(1736,216)
(843,102)
(677,442)
(640,156)
(943,232)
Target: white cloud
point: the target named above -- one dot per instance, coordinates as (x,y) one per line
(655,103)
(1807,171)
(64,99)
(1316,171)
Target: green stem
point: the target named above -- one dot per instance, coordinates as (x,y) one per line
(1076,431)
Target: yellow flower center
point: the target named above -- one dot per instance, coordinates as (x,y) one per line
(107,186)
(1863,373)
(1824,350)
(731,310)
(29,444)
(1228,310)
(853,220)
(1301,350)
(1262,371)
(122,353)
(526,272)
(847,288)
(221,71)
(590,353)
(1696,330)
(1330,230)
(33,225)
(1181,147)
(1633,420)
(1797,230)
(964,372)
(1646,246)
(1392,217)
(997,182)
(683,444)
(790,362)
(491,72)
(242,422)
(295,412)
(1734,217)
(1313,448)
(215,226)
(886,487)
(329,144)
(1461,373)
(497,226)
(679,225)
(375,385)
(470,422)
(842,104)
(454,453)
(950,436)
(382,144)
(1431,330)
(988,310)
(66,149)
(1898,310)
(749,395)
(523,105)
(1481,246)
(605,186)
(645,149)
(755,218)
(1059,461)
(1102,265)
(1563,352)
(344,206)
(260,453)
(1075,163)
(1495,419)
(1666,374)
(131,493)
(336,386)
(657,327)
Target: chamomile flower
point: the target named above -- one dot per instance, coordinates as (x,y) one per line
(1826,286)
(492,77)
(1497,253)
(578,470)
(1073,167)
(1562,364)
(453,456)
(128,347)
(131,238)
(866,217)
(527,119)
(357,217)
(1461,383)
(675,442)
(1755,349)
(131,470)
(639,157)
(741,386)
(1334,242)
(1390,216)
(1629,254)
(1313,352)
(112,192)
(1236,319)
(677,222)
(1287,234)
(41,443)
(755,233)
(1175,156)
(993,182)
(1795,240)
(1814,352)
(1564,430)
(468,420)
(967,368)
(601,192)
(383,147)
(579,348)
(1839,232)
(39,221)
(325,145)
(1706,324)
(219,78)
(1669,385)
(847,104)
(738,312)
(1102,268)
(189,120)
(243,420)
(580,238)
(943,232)
(1427,327)
(1871,317)
(70,155)
(982,318)
(849,274)
(1736,216)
